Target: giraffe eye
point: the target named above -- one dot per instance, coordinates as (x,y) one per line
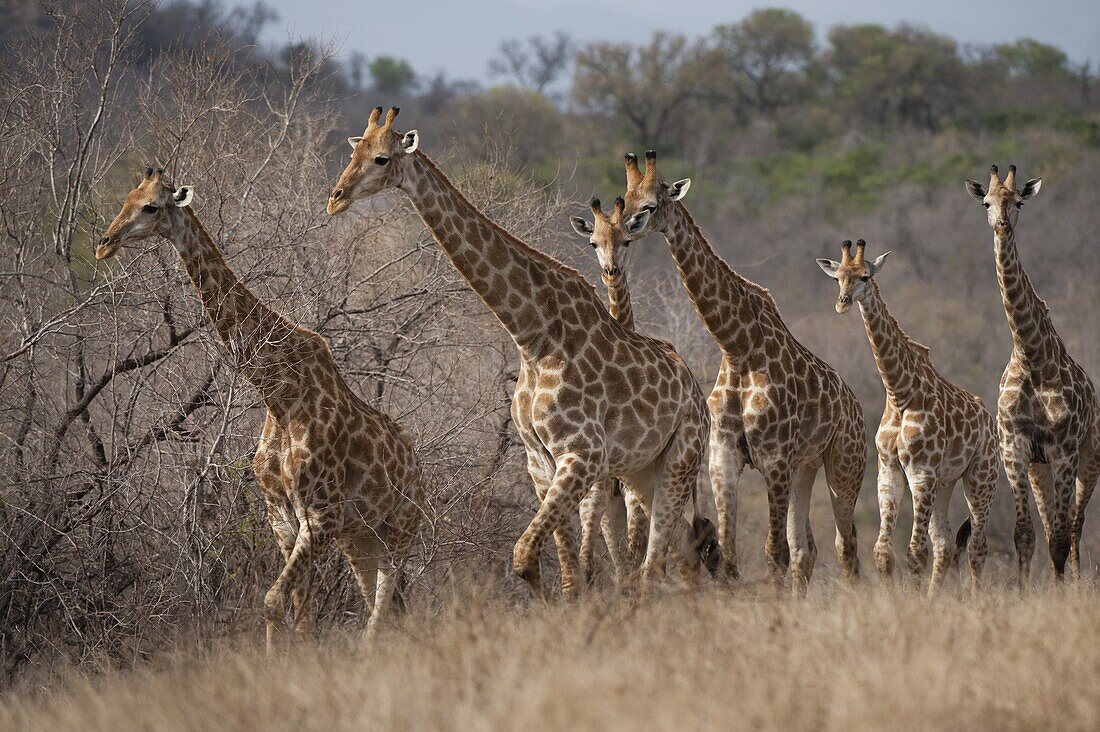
(865,278)
(150,208)
(381,159)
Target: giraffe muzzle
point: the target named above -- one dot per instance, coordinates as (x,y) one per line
(338,202)
(108,245)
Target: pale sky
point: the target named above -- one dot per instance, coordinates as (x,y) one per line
(460,37)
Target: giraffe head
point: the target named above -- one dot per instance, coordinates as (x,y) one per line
(1002,200)
(647,192)
(610,235)
(147,211)
(378,160)
(852,273)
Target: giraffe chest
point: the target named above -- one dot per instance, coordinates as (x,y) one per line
(1053,410)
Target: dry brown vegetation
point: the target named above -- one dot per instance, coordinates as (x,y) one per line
(840,660)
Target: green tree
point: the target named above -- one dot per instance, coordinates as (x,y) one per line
(1028,56)
(647,88)
(769,53)
(906,75)
(391,75)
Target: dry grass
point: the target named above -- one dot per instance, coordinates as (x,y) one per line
(866,658)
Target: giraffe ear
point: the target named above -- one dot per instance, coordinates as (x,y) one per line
(975,189)
(679,189)
(879,263)
(829,267)
(353,141)
(1031,188)
(582,227)
(182,196)
(637,222)
(410,141)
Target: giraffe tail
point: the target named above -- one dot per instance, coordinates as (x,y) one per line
(962,538)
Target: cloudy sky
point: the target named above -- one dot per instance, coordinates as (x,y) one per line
(460,37)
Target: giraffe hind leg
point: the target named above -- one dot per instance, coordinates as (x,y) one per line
(979,487)
(798,536)
(1087,475)
(845,463)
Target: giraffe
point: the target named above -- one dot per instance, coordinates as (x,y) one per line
(932,432)
(1047,413)
(592,398)
(606,503)
(329,465)
(610,238)
(775,406)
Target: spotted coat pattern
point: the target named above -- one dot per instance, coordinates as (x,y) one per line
(1048,417)
(932,434)
(592,400)
(775,406)
(329,465)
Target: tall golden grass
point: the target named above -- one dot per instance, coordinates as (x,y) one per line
(862,657)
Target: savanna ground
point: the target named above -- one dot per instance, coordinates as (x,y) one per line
(863,658)
(872,655)
(134,550)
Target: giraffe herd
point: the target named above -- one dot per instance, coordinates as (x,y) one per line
(613,422)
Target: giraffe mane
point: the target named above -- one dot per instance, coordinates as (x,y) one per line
(535,254)
(751,287)
(916,346)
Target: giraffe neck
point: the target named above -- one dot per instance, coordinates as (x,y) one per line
(898,357)
(618,300)
(729,305)
(524,288)
(1033,335)
(255,336)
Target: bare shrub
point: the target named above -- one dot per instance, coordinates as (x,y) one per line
(129,510)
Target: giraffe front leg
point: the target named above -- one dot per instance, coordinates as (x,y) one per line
(891,484)
(1050,515)
(399,537)
(776,549)
(574,475)
(1063,470)
(1016,455)
(726,467)
(565,540)
(314,528)
(923,487)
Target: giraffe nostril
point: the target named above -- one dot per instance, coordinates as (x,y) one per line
(105,241)
(337,194)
